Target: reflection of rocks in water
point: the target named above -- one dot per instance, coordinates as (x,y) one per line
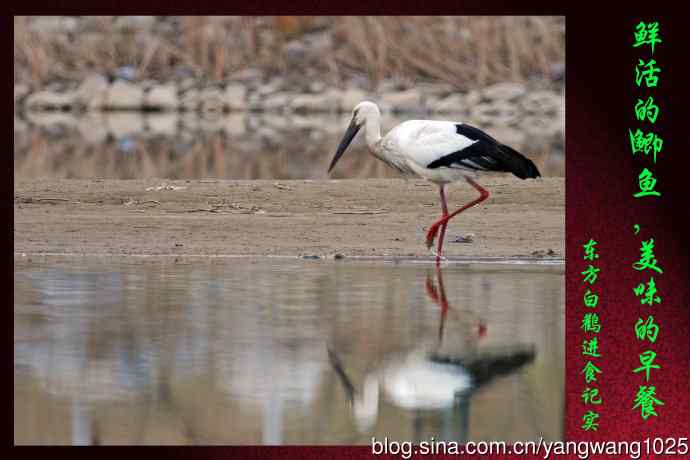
(66,290)
(230,146)
(291,369)
(236,353)
(259,351)
(68,358)
(64,368)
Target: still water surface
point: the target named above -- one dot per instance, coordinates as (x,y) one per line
(286,352)
(124,145)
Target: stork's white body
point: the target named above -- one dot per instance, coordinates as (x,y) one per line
(418,383)
(414,144)
(410,382)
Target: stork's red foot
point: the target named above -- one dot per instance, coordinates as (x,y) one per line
(431,235)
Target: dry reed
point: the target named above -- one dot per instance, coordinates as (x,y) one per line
(464,52)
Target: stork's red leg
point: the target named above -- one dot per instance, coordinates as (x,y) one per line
(483,195)
(444,225)
(444,214)
(439,298)
(443,304)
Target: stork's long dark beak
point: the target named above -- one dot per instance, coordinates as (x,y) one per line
(340,371)
(347,138)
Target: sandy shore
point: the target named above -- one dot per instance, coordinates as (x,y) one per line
(373,217)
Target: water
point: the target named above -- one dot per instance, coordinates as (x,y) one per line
(253,351)
(124,145)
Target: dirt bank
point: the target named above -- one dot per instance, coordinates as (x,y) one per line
(373,217)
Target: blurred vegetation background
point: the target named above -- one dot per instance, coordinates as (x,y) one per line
(193,97)
(466,52)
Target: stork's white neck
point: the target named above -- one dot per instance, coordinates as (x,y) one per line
(372,131)
(366,408)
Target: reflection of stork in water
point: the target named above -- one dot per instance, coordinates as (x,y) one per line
(431,381)
(438,296)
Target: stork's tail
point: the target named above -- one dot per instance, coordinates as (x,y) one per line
(520,165)
(485,368)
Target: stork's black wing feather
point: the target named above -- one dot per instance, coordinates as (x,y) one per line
(486,154)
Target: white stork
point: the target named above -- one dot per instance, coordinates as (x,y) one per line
(439,151)
(419,380)
(435,379)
